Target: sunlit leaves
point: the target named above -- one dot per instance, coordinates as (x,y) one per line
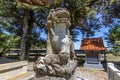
(114,38)
(26,6)
(8,41)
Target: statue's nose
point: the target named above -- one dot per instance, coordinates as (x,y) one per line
(41,62)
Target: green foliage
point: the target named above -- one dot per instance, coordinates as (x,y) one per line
(82,12)
(14,14)
(114,39)
(26,6)
(117,65)
(8,8)
(109,9)
(8,39)
(7,42)
(79,9)
(114,8)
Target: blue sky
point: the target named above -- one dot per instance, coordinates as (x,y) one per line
(78,43)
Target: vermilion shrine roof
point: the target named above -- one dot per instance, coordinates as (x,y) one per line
(92,44)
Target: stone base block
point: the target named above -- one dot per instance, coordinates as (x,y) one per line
(94,66)
(39,77)
(48,78)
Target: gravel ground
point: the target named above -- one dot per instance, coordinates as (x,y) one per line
(91,74)
(82,73)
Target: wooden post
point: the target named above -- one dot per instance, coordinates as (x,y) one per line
(97,55)
(85,56)
(104,56)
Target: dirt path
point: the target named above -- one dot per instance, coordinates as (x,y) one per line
(84,74)
(91,74)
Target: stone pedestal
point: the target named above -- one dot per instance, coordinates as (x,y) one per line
(73,77)
(94,66)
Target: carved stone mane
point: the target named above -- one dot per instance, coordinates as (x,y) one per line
(59,15)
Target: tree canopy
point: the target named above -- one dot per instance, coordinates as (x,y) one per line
(24,19)
(114,39)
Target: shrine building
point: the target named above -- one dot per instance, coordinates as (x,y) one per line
(93,47)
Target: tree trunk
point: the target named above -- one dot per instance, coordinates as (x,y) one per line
(28,43)
(23,41)
(2,52)
(27,53)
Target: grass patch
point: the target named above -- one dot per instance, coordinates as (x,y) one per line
(111,58)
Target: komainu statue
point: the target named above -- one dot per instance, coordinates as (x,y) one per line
(60,59)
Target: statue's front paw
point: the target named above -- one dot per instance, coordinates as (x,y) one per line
(60,70)
(68,71)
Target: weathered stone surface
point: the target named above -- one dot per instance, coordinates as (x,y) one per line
(60,59)
(39,77)
(48,78)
